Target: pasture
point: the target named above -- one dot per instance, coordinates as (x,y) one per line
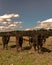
(27,56)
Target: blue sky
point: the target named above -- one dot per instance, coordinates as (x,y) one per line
(30,11)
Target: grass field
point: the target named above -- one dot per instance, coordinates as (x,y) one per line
(27,56)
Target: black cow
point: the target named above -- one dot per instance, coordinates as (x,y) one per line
(38,42)
(20,41)
(5,39)
(35,42)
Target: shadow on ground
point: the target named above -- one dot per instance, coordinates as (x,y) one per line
(13,46)
(0,43)
(27,48)
(24,48)
(46,50)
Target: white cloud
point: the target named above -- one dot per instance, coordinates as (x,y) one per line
(48,20)
(1,20)
(28,29)
(9,16)
(11,26)
(46,24)
(2,28)
(6,23)
(5,20)
(17,22)
(9,20)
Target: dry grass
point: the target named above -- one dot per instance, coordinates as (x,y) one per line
(27,56)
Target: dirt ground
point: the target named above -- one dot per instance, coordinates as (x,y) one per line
(27,56)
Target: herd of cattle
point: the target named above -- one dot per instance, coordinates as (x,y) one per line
(36,40)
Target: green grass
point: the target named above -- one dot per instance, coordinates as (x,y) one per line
(25,57)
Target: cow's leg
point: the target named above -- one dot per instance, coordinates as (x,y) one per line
(17,42)
(44,41)
(20,44)
(3,40)
(38,47)
(41,47)
(30,44)
(7,40)
(3,45)
(6,46)
(34,46)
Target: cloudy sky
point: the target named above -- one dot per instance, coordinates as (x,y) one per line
(30,11)
(7,23)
